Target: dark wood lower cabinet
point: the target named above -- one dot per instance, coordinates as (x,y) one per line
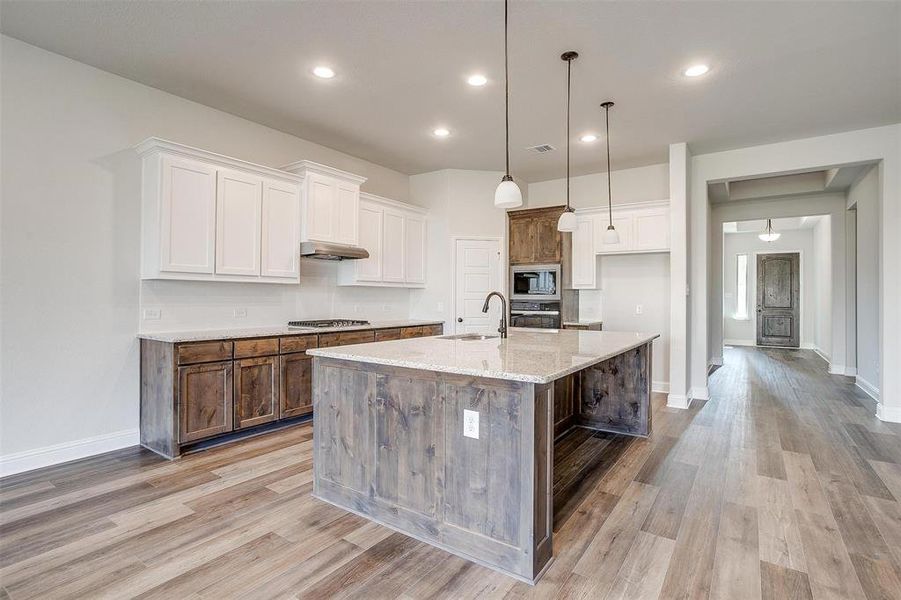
(256,391)
(296,397)
(205,400)
(195,392)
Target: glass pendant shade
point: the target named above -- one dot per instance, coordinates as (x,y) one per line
(769,235)
(567,221)
(611,236)
(507,194)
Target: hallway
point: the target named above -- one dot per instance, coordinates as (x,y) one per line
(783,485)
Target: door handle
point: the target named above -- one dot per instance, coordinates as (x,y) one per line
(759,309)
(459,319)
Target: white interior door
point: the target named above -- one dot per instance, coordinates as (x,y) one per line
(477,266)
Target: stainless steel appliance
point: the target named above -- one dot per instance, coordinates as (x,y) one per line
(543,315)
(329,251)
(316,323)
(535,282)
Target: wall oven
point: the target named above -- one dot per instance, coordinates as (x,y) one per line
(535,282)
(543,315)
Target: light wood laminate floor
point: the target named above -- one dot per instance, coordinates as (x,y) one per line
(783,485)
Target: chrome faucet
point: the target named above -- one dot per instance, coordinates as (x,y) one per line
(503,328)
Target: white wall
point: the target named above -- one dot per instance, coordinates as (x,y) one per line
(796,240)
(70,245)
(879,144)
(641,184)
(822,260)
(864,196)
(460,204)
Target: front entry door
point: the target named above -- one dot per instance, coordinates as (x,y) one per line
(778,300)
(478,264)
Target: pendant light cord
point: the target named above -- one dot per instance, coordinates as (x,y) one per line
(609,195)
(506,94)
(569,66)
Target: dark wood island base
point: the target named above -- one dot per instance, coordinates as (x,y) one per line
(389,445)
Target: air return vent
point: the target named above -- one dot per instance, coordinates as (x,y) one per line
(541,148)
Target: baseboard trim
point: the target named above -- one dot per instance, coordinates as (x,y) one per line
(661,387)
(739,343)
(821,354)
(716,361)
(29,460)
(891,414)
(699,393)
(868,388)
(678,401)
(836,369)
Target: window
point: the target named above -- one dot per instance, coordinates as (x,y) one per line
(741,288)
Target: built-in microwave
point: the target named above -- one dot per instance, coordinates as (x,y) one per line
(535,282)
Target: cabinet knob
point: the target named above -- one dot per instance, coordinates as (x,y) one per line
(459,319)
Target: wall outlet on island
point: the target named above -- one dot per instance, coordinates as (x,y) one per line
(471,423)
(240,313)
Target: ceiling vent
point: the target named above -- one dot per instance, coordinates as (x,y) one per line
(541,148)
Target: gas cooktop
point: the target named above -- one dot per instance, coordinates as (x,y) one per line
(327,323)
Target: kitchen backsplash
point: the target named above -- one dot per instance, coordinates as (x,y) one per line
(175,305)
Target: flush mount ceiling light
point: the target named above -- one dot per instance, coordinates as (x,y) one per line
(567,221)
(323,72)
(441,132)
(477,80)
(507,194)
(696,70)
(588,138)
(610,235)
(769,235)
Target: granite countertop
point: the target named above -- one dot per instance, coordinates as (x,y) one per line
(531,355)
(252,332)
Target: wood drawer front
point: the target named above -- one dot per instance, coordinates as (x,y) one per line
(383,335)
(411,332)
(204,400)
(256,391)
(428,330)
(298,343)
(201,352)
(256,347)
(346,338)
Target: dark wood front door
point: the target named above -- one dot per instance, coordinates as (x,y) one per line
(778,300)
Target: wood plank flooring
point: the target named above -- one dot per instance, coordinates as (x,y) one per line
(782,485)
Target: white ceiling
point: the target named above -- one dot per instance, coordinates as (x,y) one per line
(758,225)
(780,70)
(825,181)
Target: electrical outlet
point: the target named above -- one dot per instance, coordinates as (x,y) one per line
(240,313)
(471,424)
(152,314)
(440,307)
(639,309)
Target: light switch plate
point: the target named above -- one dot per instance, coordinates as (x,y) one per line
(240,313)
(471,423)
(151,314)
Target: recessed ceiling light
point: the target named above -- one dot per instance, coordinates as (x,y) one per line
(441,132)
(588,138)
(477,80)
(323,72)
(695,70)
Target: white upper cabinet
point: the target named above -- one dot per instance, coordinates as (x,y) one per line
(652,230)
(187,215)
(330,203)
(394,234)
(209,217)
(238,223)
(623,223)
(584,258)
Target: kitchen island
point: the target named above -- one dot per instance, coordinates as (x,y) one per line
(450,439)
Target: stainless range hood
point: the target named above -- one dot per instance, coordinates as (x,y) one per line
(330,251)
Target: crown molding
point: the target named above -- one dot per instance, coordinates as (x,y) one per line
(630,206)
(302,167)
(393,203)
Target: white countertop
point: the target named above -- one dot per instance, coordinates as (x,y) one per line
(252,332)
(531,355)
(584,322)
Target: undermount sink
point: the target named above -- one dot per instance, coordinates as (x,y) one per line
(468,337)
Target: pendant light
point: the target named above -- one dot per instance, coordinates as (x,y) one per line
(610,235)
(567,221)
(769,235)
(507,194)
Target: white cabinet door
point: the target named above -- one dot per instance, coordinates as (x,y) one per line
(281,230)
(623,225)
(584,259)
(414,251)
(346,213)
(321,215)
(187,216)
(652,230)
(238,223)
(393,247)
(371,226)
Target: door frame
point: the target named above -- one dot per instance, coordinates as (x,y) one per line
(502,268)
(801,297)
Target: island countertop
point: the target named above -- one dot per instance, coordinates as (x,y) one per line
(529,355)
(200,335)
